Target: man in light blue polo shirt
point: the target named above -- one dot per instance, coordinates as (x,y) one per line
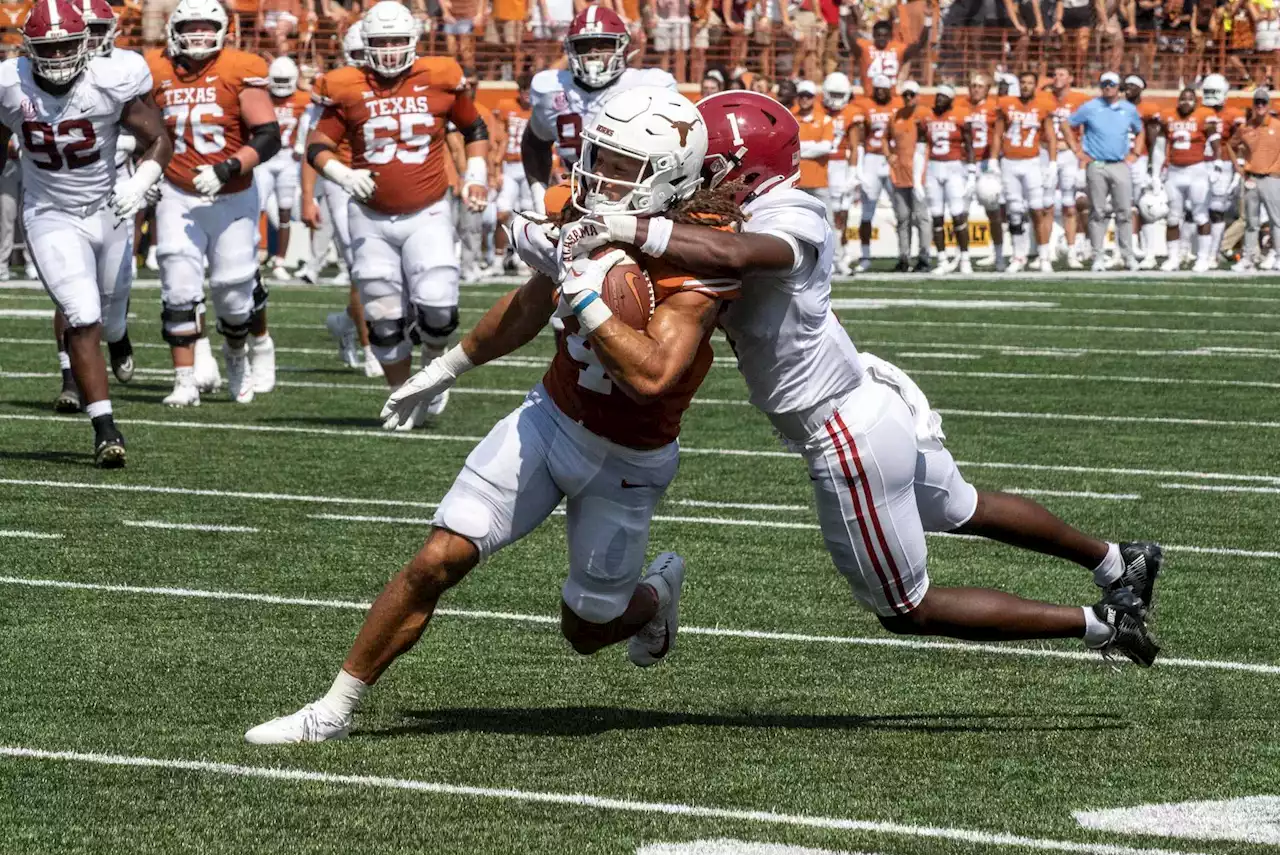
(1108,121)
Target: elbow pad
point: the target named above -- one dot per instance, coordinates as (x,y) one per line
(265,140)
(475,132)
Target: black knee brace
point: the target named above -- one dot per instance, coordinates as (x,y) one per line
(230,330)
(430,323)
(181,327)
(386,333)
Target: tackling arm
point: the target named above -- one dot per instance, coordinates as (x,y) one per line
(710,251)
(647,363)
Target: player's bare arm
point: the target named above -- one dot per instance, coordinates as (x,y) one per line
(264,132)
(711,251)
(142,118)
(647,363)
(475,137)
(535,156)
(1050,137)
(997,136)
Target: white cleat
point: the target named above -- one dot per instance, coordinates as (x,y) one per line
(239,382)
(986,261)
(342,277)
(208,378)
(280,273)
(1074,261)
(183,395)
(372,367)
(262,364)
(864,266)
(1046,264)
(966,268)
(944,268)
(1244,265)
(657,638)
(1268,262)
(313,723)
(1201,266)
(1172,264)
(152,262)
(1099,265)
(1133,266)
(843,267)
(1149,262)
(1017,265)
(343,329)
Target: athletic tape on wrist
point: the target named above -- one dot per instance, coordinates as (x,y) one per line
(622,227)
(591,312)
(655,243)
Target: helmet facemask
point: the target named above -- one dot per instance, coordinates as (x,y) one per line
(597,59)
(390,55)
(611,179)
(198,42)
(60,56)
(102,37)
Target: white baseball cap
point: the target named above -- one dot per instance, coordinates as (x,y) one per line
(1109,77)
(910,86)
(880,81)
(806,87)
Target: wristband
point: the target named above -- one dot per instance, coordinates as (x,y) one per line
(477,171)
(455,361)
(655,243)
(622,228)
(147,173)
(591,312)
(227,170)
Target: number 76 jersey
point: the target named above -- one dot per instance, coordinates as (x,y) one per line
(68,141)
(202,112)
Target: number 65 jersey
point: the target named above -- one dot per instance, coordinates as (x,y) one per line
(396,127)
(202,112)
(68,141)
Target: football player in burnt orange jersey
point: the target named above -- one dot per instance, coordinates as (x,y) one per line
(1193,141)
(1070,189)
(514,194)
(950,177)
(222,124)
(981,110)
(883,56)
(867,149)
(279,176)
(394,111)
(1024,123)
(599,432)
(1224,181)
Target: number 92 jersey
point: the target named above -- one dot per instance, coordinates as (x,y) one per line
(68,141)
(560,105)
(396,127)
(202,112)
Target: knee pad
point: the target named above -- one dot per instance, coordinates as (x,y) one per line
(387,334)
(1200,218)
(432,325)
(959,221)
(180,325)
(232,328)
(1015,220)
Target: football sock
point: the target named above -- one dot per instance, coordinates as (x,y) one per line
(1215,235)
(185,375)
(345,693)
(1096,633)
(1204,246)
(866,252)
(98,409)
(64,360)
(1110,568)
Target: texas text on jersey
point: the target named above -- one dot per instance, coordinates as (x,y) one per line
(202,112)
(68,141)
(396,127)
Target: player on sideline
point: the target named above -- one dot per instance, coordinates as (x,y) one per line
(868,150)
(1192,142)
(222,125)
(278,177)
(599,431)
(596,46)
(980,114)
(950,177)
(1024,122)
(514,194)
(66,105)
(881,476)
(394,111)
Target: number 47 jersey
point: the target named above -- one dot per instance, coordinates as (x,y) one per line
(68,141)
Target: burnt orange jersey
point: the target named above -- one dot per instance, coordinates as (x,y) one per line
(397,127)
(1190,136)
(1063,108)
(202,111)
(1148,112)
(943,133)
(981,119)
(873,61)
(841,121)
(1023,123)
(288,111)
(904,133)
(516,119)
(320,97)
(1230,121)
(874,119)
(816,128)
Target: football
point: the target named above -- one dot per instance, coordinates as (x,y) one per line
(627,290)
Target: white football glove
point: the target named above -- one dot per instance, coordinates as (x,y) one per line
(580,289)
(993,166)
(132,194)
(534,240)
(422,388)
(358,182)
(580,238)
(207,182)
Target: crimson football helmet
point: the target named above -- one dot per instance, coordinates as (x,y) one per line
(100,18)
(56,40)
(597,45)
(750,138)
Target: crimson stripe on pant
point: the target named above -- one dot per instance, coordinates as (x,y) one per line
(858,515)
(875,519)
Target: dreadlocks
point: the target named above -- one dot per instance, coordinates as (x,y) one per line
(710,207)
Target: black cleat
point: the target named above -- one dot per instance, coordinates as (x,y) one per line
(922,266)
(1122,611)
(1142,562)
(108,445)
(68,400)
(903,266)
(121,358)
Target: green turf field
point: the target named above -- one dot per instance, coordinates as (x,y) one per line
(133,657)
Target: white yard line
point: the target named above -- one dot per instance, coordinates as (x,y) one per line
(1066,295)
(1074,494)
(30,535)
(1214,488)
(189,526)
(1075,352)
(1088,417)
(992,325)
(580,800)
(719,632)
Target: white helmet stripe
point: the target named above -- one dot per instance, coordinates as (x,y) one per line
(54,18)
(591,13)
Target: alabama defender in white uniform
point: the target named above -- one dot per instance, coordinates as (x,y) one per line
(597,49)
(877,490)
(65,109)
(598,433)
(278,177)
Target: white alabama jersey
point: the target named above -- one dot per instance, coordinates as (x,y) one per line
(68,141)
(560,104)
(791,349)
